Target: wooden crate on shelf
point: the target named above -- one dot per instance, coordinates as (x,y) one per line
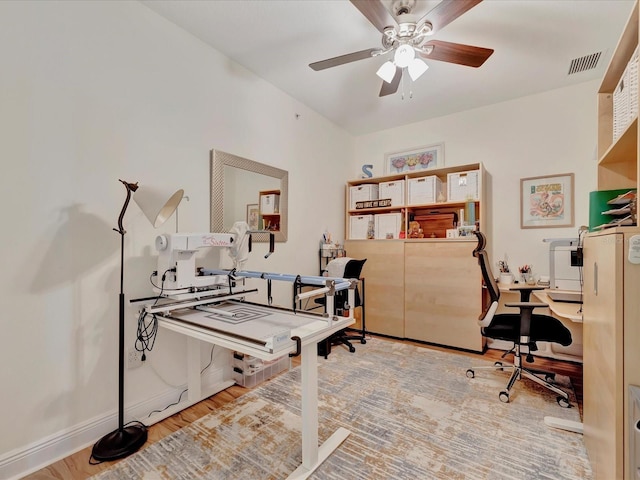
(435,225)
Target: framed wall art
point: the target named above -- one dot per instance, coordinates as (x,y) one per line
(253,216)
(546,201)
(421,158)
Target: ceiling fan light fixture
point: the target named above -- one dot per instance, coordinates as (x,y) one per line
(416,68)
(387,71)
(404,55)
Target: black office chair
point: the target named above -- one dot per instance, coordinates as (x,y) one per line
(524,329)
(352,270)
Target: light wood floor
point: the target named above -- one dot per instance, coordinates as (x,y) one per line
(77,467)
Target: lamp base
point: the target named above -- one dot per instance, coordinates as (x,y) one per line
(120,443)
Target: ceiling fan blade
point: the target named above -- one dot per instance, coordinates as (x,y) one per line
(447,11)
(342,59)
(376,13)
(392,87)
(459,53)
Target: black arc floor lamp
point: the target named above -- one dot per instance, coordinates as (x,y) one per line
(157,207)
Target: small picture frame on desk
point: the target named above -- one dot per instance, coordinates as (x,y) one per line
(547,202)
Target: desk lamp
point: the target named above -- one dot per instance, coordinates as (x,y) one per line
(157,207)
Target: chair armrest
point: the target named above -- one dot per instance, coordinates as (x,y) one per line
(525,291)
(525,304)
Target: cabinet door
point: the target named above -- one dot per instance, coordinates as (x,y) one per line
(443,294)
(603,355)
(383,273)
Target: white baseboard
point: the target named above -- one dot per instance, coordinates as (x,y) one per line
(23,461)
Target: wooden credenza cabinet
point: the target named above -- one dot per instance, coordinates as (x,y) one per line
(384,280)
(423,289)
(611,353)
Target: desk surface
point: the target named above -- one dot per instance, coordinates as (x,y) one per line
(570,311)
(201,325)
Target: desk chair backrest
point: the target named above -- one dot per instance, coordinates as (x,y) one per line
(353,269)
(344,267)
(489,281)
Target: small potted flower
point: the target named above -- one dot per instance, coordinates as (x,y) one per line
(426,158)
(412,161)
(398,163)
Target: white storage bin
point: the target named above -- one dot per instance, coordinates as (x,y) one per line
(359,226)
(269,204)
(249,371)
(392,190)
(424,190)
(388,225)
(362,193)
(632,86)
(621,105)
(463,186)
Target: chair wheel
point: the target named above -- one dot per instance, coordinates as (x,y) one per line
(470,373)
(363,341)
(504,396)
(498,365)
(563,402)
(352,349)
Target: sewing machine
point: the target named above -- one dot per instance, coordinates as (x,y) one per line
(208,306)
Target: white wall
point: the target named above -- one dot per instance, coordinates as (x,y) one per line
(92,92)
(544,134)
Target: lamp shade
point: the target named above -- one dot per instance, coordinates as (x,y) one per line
(387,71)
(416,68)
(157,204)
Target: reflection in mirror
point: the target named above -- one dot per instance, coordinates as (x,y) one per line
(235,186)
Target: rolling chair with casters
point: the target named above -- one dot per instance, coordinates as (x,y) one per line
(524,329)
(352,270)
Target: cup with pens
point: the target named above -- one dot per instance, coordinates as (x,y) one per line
(506,276)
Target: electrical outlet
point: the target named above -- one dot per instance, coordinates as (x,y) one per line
(134,359)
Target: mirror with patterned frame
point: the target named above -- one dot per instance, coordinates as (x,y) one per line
(235,186)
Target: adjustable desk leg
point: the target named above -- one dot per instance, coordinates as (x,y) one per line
(309,406)
(312,455)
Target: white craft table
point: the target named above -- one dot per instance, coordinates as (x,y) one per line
(310,333)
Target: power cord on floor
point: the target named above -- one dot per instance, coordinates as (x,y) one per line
(186,389)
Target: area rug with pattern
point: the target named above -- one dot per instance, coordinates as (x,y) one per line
(412,413)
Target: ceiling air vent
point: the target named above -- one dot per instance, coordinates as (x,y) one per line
(587,62)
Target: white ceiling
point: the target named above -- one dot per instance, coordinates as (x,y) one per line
(534,42)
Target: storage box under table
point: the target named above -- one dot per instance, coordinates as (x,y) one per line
(249,371)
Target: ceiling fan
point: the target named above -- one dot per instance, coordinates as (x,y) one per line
(409,40)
